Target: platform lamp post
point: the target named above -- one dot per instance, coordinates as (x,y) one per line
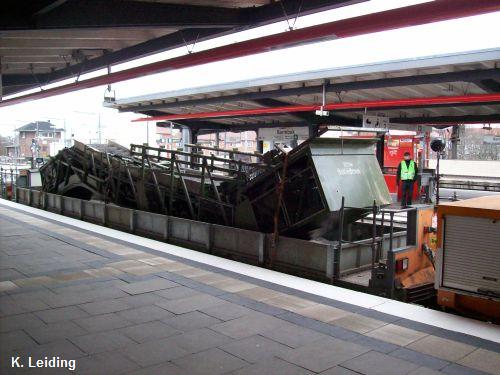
(438,146)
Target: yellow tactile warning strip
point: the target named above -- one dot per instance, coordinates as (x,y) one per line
(138,262)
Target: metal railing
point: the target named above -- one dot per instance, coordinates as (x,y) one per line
(378,237)
(8,180)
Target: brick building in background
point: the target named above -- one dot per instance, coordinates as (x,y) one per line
(45,133)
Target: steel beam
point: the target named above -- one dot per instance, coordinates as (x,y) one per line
(117,13)
(161,44)
(439,10)
(208,128)
(386,104)
(253,17)
(448,120)
(462,76)
(488,84)
(289,9)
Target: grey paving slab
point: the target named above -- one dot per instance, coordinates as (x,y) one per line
(248,325)
(105,364)
(454,369)
(15,340)
(187,304)
(21,321)
(199,340)
(30,294)
(265,308)
(419,358)
(66,299)
(374,344)
(145,314)
(99,293)
(422,327)
(358,323)
(145,299)
(326,328)
(207,289)
(323,313)
(153,352)
(468,339)
(55,332)
(105,322)
(61,314)
(104,307)
(62,349)
(339,370)
(375,363)
(227,311)
(425,371)
(323,354)
(101,342)
(164,369)
(156,283)
(10,274)
(370,313)
(482,360)
(10,305)
(396,335)
(149,331)
(212,361)
(255,349)
(272,366)
(177,292)
(237,299)
(293,335)
(190,321)
(449,350)
(259,293)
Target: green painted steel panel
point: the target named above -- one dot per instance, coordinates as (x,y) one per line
(349,168)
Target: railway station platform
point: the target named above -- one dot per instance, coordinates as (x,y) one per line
(118,303)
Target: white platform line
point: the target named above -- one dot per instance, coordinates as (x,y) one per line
(404,310)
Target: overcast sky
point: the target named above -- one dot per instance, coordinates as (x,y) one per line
(80,110)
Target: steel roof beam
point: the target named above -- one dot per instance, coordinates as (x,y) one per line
(116,13)
(268,102)
(420,102)
(439,10)
(51,6)
(489,84)
(254,16)
(463,76)
(314,120)
(273,12)
(423,120)
(448,120)
(160,44)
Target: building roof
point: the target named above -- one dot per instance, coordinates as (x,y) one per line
(42,126)
(465,73)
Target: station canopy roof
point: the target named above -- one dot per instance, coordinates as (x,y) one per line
(46,41)
(473,73)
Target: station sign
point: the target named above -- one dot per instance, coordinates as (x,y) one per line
(375,122)
(283,134)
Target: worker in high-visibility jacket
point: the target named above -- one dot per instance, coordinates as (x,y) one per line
(407,174)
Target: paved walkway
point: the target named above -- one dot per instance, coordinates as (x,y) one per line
(120,308)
